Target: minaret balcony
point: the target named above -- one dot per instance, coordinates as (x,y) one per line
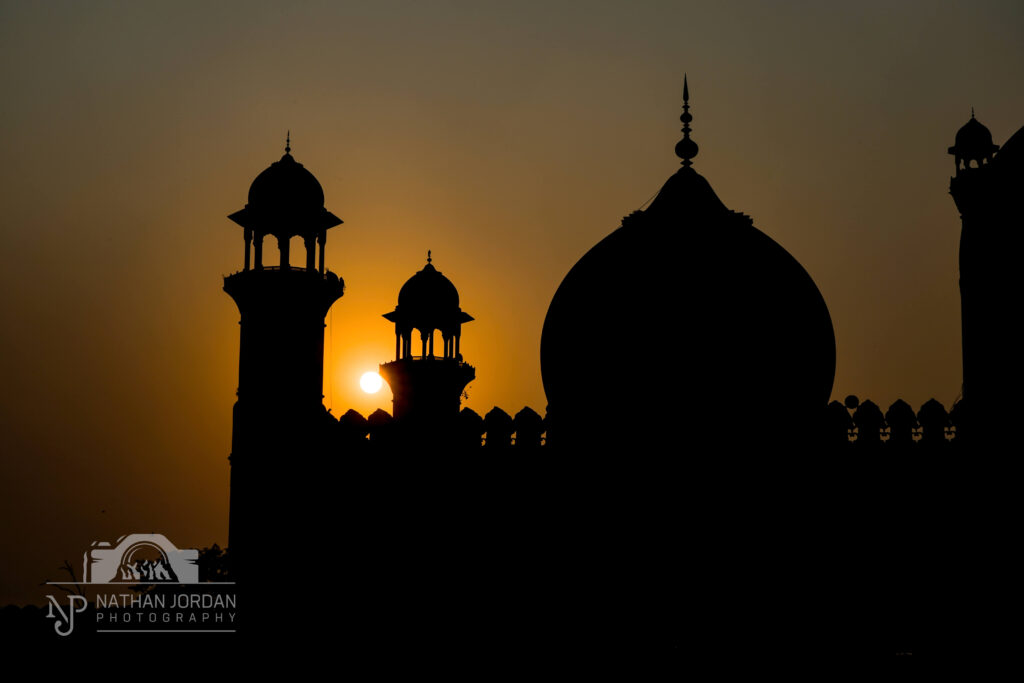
(432,359)
(303,272)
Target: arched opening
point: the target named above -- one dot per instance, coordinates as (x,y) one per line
(296,253)
(259,248)
(423,343)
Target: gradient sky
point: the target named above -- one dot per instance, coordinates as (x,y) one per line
(506,137)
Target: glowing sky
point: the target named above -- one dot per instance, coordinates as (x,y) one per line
(506,137)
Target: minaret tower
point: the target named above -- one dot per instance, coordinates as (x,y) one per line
(986,189)
(427,388)
(279,412)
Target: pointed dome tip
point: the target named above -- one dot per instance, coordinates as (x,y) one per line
(686,149)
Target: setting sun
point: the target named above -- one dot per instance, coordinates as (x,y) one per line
(370,382)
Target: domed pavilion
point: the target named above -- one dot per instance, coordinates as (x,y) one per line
(427,388)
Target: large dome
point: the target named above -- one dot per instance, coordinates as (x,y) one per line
(685,325)
(1011,155)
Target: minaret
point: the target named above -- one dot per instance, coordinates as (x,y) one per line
(279,411)
(427,388)
(986,188)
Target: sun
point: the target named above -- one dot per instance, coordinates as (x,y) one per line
(371,382)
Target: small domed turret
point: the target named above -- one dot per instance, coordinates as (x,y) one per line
(287,187)
(286,200)
(428,301)
(973,143)
(428,292)
(427,389)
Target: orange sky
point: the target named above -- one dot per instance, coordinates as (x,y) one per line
(506,137)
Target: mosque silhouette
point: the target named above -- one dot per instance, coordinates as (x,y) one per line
(699,524)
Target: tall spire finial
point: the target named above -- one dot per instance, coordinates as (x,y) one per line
(288,143)
(428,256)
(686,149)
(972,112)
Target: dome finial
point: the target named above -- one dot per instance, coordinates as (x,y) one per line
(686,149)
(428,256)
(288,143)
(972,112)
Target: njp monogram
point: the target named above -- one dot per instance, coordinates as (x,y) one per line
(76,603)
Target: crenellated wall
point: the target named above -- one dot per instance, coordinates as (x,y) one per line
(850,426)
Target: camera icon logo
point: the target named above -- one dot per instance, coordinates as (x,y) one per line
(136,558)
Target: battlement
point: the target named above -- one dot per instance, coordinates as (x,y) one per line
(856,426)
